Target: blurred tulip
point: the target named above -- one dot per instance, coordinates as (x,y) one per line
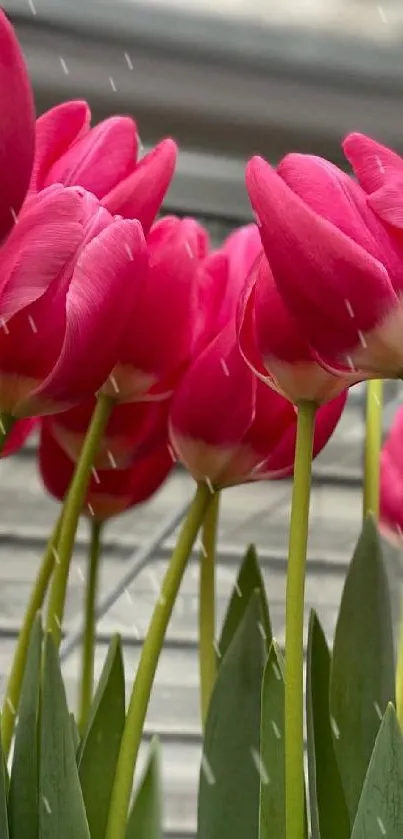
(391,489)
(18,435)
(160,340)
(133,429)
(227,428)
(335,265)
(111,491)
(273,344)
(103,160)
(17,136)
(70,273)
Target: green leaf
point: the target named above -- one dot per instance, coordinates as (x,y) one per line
(23,802)
(229,779)
(145,819)
(380,810)
(75,733)
(329,814)
(362,679)
(61,805)
(3,797)
(249,580)
(272,768)
(100,745)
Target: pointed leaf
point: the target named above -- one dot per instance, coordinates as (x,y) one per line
(272,769)
(23,794)
(145,819)
(4,832)
(362,679)
(75,733)
(248,581)
(100,745)
(61,805)
(380,810)
(229,779)
(329,814)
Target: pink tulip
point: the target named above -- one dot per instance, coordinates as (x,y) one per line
(16,128)
(160,340)
(103,160)
(391,495)
(70,273)
(227,428)
(110,492)
(133,429)
(18,436)
(335,265)
(272,343)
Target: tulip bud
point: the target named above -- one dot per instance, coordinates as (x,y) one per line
(111,491)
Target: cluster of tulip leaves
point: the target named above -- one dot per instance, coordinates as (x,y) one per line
(60,783)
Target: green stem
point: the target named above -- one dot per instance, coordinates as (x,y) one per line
(399,674)
(373,443)
(87,673)
(16,676)
(294,655)
(71,512)
(207,654)
(122,787)
(6,423)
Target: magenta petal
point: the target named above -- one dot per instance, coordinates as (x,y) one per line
(215,401)
(17,127)
(100,303)
(321,274)
(46,237)
(161,337)
(56,130)
(372,162)
(142,193)
(18,435)
(387,201)
(101,159)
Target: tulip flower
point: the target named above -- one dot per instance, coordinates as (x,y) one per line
(156,347)
(273,344)
(17,129)
(335,265)
(228,428)
(18,435)
(103,160)
(70,273)
(111,491)
(132,430)
(391,491)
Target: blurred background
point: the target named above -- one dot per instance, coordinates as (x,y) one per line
(226,79)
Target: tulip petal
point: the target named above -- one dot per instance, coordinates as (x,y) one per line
(215,400)
(18,435)
(46,237)
(161,337)
(56,130)
(372,162)
(102,294)
(387,202)
(101,159)
(330,284)
(17,127)
(142,193)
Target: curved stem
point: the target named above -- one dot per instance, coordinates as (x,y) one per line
(294,648)
(87,672)
(35,603)
(373,443)
(71,512)
(207,653)
(140,697)
(6,423)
